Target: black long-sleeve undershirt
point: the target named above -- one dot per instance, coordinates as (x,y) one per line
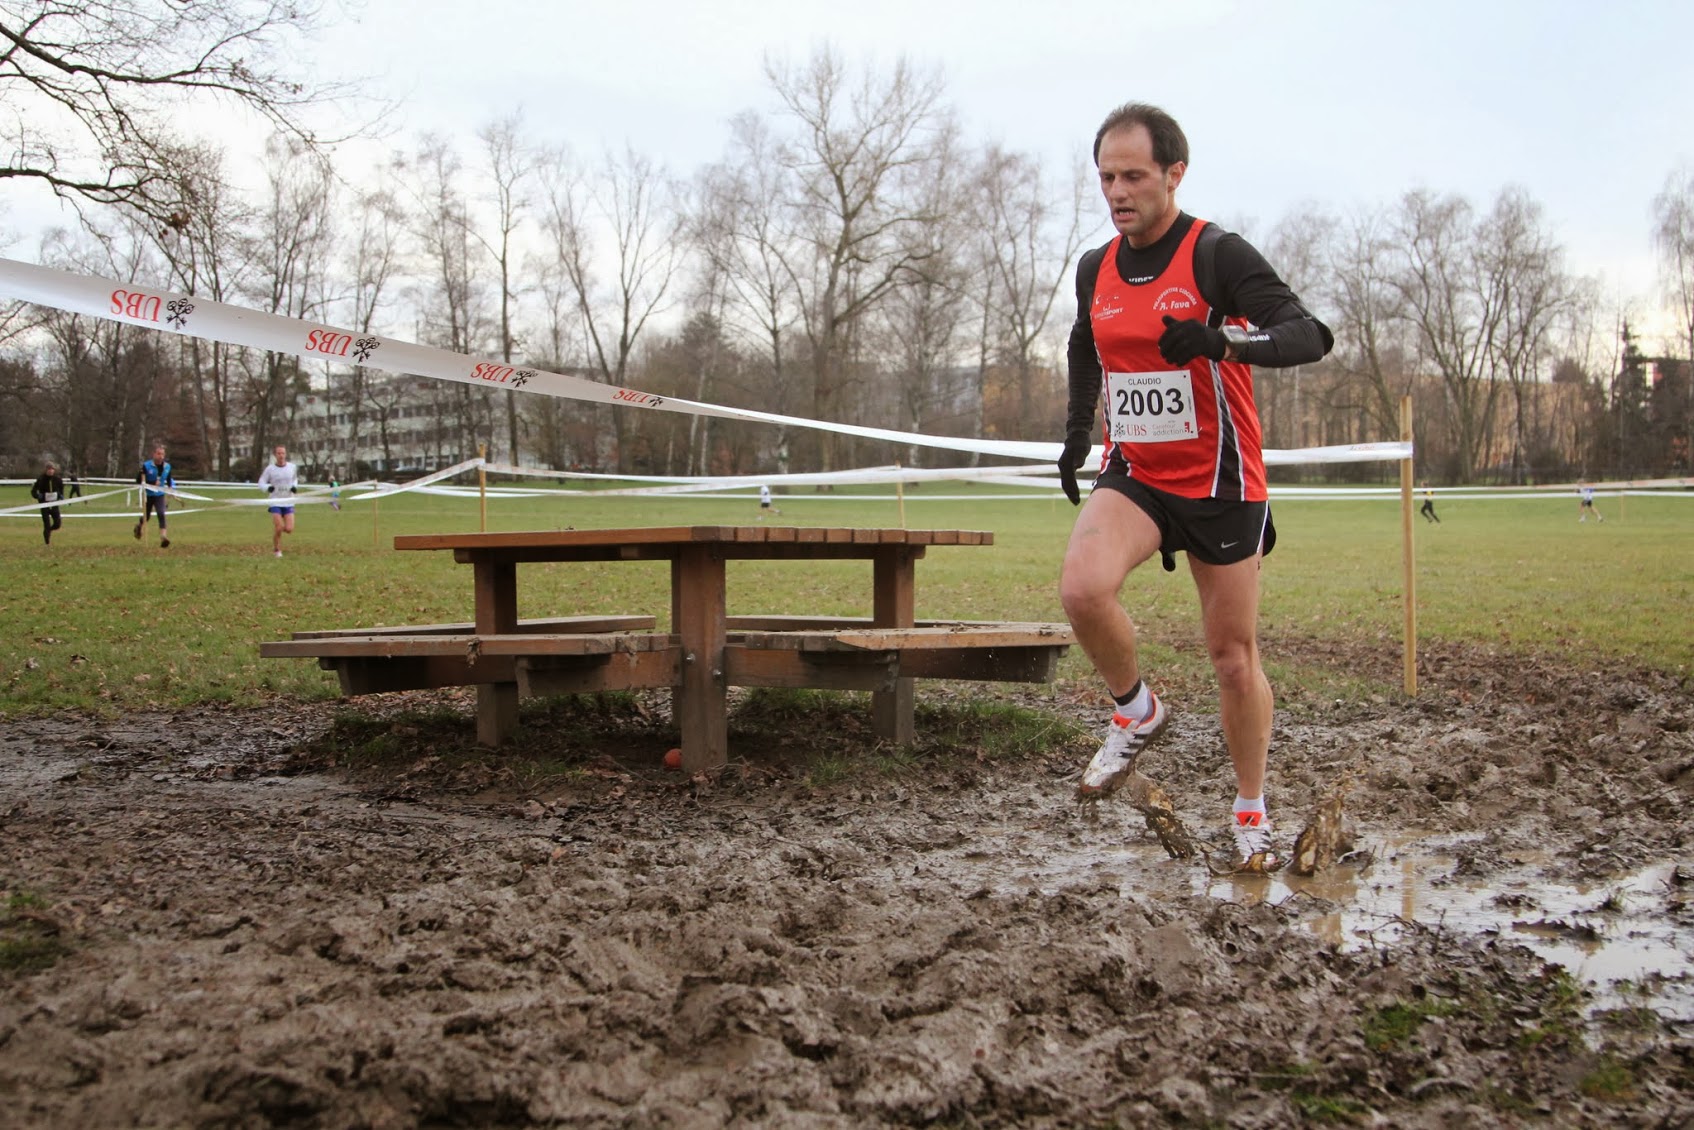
(1243,285)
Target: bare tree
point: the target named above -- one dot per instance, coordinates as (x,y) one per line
(918,326)
(860,146)
(1033,231)
(1519,253)
(631,199)
(1454,301)
(453,298)
(510,166)
(1366,311)
(373,266)
(290,259)
(108,378)
(1673,237)
(95,89)
(744,235)
(1299,245)
(208,256)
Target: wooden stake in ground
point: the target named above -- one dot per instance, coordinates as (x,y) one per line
(482,485)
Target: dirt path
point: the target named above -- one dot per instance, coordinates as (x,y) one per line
(246,936)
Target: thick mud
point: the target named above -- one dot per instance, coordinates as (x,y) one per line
(295,917)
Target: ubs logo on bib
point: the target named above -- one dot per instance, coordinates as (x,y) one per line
(1173,299)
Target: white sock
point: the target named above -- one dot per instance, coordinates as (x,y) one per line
(1139,703)
(1242,804)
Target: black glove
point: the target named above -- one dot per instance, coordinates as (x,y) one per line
(293,490)
(270,488)
(1183,341)
(1077,447)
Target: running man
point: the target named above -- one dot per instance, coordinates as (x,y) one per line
(765,505)
(280,480)
(155,476)
(1428,507)
(49,487)
(1165,337)
(1586,506)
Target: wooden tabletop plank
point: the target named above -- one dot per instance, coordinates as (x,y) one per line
(687,535)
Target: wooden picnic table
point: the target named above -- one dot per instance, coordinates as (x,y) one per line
(706,650)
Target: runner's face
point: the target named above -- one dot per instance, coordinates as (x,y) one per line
(1141,195)
(281,456)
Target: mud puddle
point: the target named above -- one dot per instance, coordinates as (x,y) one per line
(1614,936)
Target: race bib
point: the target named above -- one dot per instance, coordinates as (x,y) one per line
(1150,407)
(49,496)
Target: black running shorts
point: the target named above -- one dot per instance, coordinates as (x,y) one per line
(1215,530)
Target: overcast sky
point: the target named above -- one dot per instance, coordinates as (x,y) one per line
(1588,106)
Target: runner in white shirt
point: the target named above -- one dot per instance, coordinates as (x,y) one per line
(1586,507)
(279,480)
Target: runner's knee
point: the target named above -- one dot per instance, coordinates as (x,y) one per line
(1236,664)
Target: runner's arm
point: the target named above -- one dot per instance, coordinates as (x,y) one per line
(1286,332)
(1083,361)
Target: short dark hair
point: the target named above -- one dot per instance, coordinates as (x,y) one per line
(1170,144)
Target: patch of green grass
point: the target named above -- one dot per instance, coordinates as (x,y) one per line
(832,769)
(1286,1076)
(108,623)
(1561,1015)
(30,953)
(1327,1108)
(1611,1081)
(24,900)
(1504,1100)
(29,938)
(1398,1023)
(998,730)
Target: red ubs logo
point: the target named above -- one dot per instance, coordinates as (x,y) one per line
(1174,298)
(630,396)
(329,343)
(137,305)
(493,372)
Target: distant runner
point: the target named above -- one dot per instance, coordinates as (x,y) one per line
(155,476)
(279,480)
(1586,506)
(1428,508)
(49,487)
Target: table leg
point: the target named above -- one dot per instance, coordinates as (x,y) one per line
(701,702)
(496,614)
(894,579)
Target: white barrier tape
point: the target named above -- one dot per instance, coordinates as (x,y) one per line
(217,321)
(172,312)
(444,473)
(77,501)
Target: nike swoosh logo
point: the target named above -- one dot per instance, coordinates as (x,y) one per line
(1227,544)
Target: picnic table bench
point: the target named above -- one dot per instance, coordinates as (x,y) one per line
(706,650)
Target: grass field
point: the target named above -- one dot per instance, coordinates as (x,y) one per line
(100,620)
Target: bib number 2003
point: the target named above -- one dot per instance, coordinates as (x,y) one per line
(1151,407)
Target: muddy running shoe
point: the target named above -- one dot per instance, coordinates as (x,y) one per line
(138,531)
(1252,832)
(164,543)
(1125,739)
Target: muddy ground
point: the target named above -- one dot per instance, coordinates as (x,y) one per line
(297,916)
